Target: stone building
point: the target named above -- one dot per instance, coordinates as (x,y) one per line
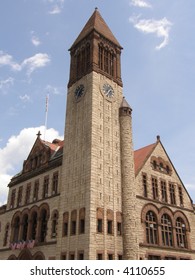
(92,196)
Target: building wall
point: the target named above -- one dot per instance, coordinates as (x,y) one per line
(149,203)
(51,202)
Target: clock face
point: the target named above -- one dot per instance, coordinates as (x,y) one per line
(108,90)
(79,91)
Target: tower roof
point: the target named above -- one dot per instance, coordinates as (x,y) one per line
(125,104)
(97,23)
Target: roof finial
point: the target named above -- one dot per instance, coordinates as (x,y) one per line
(38,134)
(96,8)
(158,138)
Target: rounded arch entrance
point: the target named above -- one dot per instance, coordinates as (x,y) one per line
(26,255)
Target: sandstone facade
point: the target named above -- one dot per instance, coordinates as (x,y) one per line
(92,196)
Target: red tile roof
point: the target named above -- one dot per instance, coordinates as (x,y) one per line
(55,145)
(96,22)
(141,155)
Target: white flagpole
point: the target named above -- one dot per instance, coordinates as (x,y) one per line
(46,114)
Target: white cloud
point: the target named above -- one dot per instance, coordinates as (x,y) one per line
(57,6)
(16,151)
(52,90)
(7,60)
(24,98)
(5,84)
(35,41)
(140,4)
(161,28)
(39,60)
(55,10)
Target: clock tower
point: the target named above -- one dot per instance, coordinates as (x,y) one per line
(92,191)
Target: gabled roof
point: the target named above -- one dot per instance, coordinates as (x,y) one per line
(55,146)
(141,156)
(97,23)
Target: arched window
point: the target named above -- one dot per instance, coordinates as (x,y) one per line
(181,233)
(106,60)
(25,227)
(87,56)
(151,228)
(34,225)
(16,227)
(101,51)
(166,230)
(83,60)
(43,228)
(111,63)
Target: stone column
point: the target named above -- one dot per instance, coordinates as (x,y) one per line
(130,244)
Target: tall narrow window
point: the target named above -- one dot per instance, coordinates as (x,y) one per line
(43,230)
(100,218)
(54,224)
(172,193)
(110,219)
(13,197)
(55,183)
(180,196)
(65,223)
(45,187)
(151,228)
(166,230)
(83,60)
(154,188)
(19,199)
(24,227)
(73,222)
(82,220)
(78,64)
(16,227)
(101,57)
(5,241)
(87,56)
(106,59)
(111,64)
(36,190)
(181,233)
(119,223)
(27,198)
(163,191)
(33,225)
(145,187)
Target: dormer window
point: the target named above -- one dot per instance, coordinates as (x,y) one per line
(161,168)
(160,165)
(167,169)
(154,164)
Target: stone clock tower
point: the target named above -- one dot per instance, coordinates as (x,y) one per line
(92,172)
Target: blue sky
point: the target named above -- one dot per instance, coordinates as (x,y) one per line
(158,67)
